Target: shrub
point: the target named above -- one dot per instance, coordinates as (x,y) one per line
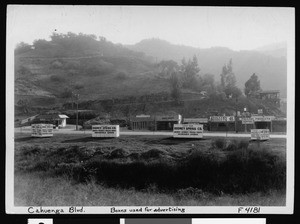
(121,76)
(214,171)
(118,153)
(56,64)
(219,143)
(57,78)
(152,153)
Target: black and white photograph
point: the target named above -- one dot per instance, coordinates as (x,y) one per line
(149,109)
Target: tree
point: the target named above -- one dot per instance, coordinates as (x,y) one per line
(166,68)
(190,72)
(228,80)
(252,86)
(22,48)
(208,83)
(175,86)
(24,105)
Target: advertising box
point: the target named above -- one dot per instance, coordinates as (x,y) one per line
(188,131)
(260,134)
(105,131)
(42,130)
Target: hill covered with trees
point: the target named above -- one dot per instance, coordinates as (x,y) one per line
(95,71)
(270,68)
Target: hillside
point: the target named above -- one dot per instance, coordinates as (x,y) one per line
(113,79)
(272,71)
(274,50)
(94,69)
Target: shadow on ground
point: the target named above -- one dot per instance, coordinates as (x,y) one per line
(24,139)
(86,139)
(173,141)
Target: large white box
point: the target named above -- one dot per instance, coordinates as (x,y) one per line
(42,130)
(260,134)
(188,131)
(105,131)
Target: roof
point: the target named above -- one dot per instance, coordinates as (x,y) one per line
(270,91)
(141,119)
(48,117)
(63,116)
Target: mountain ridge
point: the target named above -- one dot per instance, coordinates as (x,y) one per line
(272,71)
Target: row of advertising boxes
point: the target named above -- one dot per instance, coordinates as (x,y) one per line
(196,131)
(113,131)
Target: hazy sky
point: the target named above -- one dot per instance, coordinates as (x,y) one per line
(204,27)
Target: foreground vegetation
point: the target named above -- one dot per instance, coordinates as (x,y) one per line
(38,189)
(163,166)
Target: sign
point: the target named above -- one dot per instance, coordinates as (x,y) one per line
(260,134)
(247,120)
(42,130)
(222,119)
(195,120)
(105,131)
(262,118)
(188,131)
(169,118)
(142,115)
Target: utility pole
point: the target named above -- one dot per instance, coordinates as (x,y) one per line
(236,99)
(77,97)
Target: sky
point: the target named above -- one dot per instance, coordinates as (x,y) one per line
(238,28)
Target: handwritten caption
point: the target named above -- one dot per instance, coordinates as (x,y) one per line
(148,210)
(41,210)
(249,210)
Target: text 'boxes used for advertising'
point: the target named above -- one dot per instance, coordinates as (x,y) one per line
(188,131)
(105,131)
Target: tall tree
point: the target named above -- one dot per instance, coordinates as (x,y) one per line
(252,86)
(228,81)
(166,68)
(190,72)
(175,86)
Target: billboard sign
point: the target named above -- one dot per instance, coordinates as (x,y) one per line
(105,131)
(195,120)
(188,131)
(260,134)
(247,120)
(222,119)
(42,130)
(262,118)
(168,118)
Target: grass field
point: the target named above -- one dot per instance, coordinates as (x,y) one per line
(148,170)
(36,189)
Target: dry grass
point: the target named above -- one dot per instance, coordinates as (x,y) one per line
(36,189)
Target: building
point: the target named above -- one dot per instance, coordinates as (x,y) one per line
(58,120)
(222,123)
(146,122)
(203,121)
(272,96)
(154,123)
(166,122)
(63,120)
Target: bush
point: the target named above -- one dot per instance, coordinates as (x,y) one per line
(214,171)
(219,143)
(121,76)
(57,78)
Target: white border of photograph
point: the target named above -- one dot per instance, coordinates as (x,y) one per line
(9,191)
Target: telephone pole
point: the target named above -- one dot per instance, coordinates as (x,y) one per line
(77,97)
(236,99)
